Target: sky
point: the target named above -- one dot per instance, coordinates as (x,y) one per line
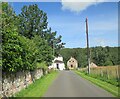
(68,19)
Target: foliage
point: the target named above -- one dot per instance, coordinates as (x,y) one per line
(77,53)
(29,53)
(44,50)
(27,43)
(102,56)
(41,65)
(33,21)
(11,50)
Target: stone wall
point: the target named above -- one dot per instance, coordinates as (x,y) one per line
(0,81)
(13,83)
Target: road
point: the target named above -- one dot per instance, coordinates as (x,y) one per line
(69,84)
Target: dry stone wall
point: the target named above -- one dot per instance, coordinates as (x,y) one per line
(13,83)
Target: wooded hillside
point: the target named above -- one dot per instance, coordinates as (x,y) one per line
(102,56)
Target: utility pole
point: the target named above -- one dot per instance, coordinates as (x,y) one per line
(88,52)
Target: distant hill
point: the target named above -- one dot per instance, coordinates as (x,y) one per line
(101,56)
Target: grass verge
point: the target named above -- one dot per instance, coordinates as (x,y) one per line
(39,87)
(109,87)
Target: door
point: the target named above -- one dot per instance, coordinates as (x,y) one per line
(57,66)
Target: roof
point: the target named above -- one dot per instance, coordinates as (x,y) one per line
(58,61)
(72,59)
(93,65)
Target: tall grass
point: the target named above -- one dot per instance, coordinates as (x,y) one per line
(103,84)
(109,74)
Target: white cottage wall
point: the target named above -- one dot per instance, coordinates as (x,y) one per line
(61,65)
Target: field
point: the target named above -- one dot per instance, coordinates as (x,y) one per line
(109,74)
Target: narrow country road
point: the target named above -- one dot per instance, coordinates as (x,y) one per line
(69,84)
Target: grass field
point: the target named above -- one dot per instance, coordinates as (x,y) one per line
(109,74)
(105,85)
(39,87)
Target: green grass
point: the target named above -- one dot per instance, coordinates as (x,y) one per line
(105,85)
(113,81)
(39,87)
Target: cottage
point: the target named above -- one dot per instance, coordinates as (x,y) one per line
(72,63)
(57,64)
(92,65)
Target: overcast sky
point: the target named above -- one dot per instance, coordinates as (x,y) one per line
(68,19)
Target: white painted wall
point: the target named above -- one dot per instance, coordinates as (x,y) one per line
(61,66)
(54,65)
(58,58)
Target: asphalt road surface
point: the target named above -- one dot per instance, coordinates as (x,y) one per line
(69,84)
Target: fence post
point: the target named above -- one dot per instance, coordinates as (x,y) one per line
(101,72)
(107,74)
(117,74)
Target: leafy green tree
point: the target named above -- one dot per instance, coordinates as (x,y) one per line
(29,53)
(44,50)
(11,58)
(32,21)
(66,53)
(101,56)
(114,55)
(58,45)
(26,41)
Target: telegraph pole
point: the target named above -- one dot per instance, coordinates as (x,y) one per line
(88,52)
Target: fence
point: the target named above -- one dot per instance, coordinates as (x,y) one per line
(108,72)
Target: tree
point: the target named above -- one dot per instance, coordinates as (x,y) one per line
(26,41)
(29,53)
(44,50)
(11,57)
(58,45)
(101,56)
(32,21)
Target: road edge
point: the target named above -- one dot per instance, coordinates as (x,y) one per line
(99,83)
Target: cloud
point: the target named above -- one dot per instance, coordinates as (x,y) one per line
(79,5)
